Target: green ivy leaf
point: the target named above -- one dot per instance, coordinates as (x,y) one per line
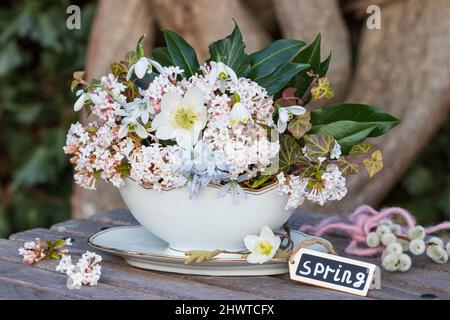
(361,148)
(290,153)
(162,56)
(346,166)
(374,164)
(59,243)
(118,69)
(300,125)
(49,243)
(270,58)
(278,79)
(350,123)
(132,90)
(318,145)
(182,54)
(231,51)
(131,58)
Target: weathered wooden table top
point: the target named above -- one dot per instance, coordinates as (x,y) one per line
(120,281)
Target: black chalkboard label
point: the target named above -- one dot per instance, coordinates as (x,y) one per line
(331,271)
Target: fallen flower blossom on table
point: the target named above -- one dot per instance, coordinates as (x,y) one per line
(87,271)
(35,251)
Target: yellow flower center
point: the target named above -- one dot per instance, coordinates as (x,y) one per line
(263,247)
(184,117)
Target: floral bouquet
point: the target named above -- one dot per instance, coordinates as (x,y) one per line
(241,121)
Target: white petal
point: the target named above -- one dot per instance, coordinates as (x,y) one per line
(164,133)
(161,119)
(140,131)
(95,98)
(250,242)
(183,138)
(145,116)
(141,67)
(130,72)
(194,97)
(79,92)
(170,100)
(212,75)
(297,110)
(123,131)
(256,258)
(281,125)
(157,66)
(231,73)
(276,241)
(202,116)
(80,102)
(266,233)
(283,115)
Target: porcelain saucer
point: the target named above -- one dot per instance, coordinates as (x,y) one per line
(140,248)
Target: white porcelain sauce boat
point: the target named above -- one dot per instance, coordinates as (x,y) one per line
(207,221)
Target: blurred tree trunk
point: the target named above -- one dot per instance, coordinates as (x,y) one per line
(116,29)
(404,69)
(201,22)
(302,19)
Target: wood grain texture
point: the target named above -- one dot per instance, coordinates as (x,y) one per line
(304,19)
(120,281)
(404,68)
(189,18)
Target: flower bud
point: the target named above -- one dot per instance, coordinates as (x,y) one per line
(390,262)
(385,222)
(437,241)
(396,228)
(388,238)
(394,247)
(404,262)
(382,229)
(437,253)
(373,240)
(417,232)
(404,243)
(417,246)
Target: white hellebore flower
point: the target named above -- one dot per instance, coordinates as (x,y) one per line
(262,248)
(143,66)
(83,97)
(221,72)
(239,113)
(130,124)
(181,118)
(284,115)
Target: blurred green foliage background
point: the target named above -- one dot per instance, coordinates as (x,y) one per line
(38,55)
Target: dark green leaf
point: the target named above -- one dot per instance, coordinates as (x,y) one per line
(231,51)
(162,56)
(323,67)
(350,124)
(182,54)
(310,55)
(276,80)
(260,181)
(268,59)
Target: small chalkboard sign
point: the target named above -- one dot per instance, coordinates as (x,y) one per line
(331,271)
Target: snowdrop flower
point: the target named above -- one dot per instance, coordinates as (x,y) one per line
(130,124)
(373,240)
(85,96)
(181,118)
(262,247)
(239,114)
(143,66)
(140,108)
(417,246)
(222,72)
(284,115)
(437,241)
